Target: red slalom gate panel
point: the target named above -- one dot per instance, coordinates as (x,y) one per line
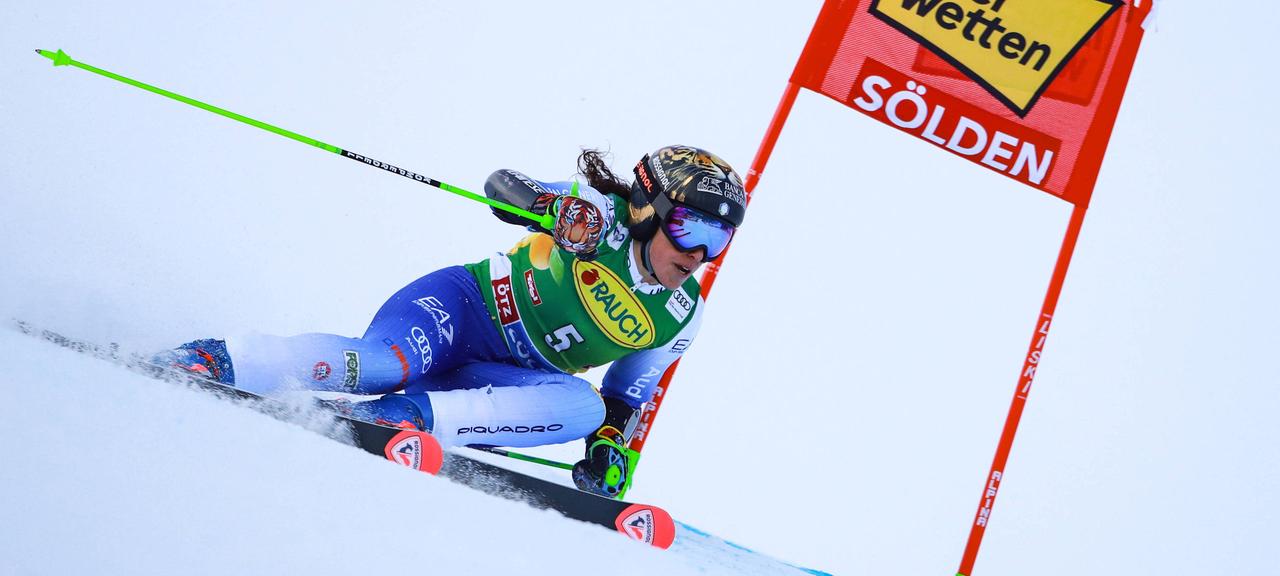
(1029,89)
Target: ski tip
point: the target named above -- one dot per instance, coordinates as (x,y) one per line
(417,450)
(648,524)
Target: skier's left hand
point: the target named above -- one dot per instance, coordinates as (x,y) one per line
(579,225)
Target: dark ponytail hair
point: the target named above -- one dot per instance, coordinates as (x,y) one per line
(591,165)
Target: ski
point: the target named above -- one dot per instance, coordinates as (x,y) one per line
(643,522)
(415,449)
(407,447)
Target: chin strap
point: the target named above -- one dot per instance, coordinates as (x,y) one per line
(644,260)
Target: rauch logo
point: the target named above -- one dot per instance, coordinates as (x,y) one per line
(613,307)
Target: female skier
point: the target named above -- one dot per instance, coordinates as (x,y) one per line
(484,354)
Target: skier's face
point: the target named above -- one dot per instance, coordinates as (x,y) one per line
(673,266)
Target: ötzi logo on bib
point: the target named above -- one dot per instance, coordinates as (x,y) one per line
(612,306)
(1013,48)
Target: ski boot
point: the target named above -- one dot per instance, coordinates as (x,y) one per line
(206,358)
(392,410)
(608,465)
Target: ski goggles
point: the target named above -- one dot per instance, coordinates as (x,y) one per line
(690,229)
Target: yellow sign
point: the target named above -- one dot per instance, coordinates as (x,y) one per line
(1014,48)
(612,305)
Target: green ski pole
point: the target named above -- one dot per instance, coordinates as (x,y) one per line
(523,457)
(61,58)
(632,457)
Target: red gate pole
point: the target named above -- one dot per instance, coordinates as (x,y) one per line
(713,269)
(1028,375)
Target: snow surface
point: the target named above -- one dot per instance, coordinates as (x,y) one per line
(843,401)
(127,475)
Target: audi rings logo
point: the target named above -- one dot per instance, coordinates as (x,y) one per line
(423,345)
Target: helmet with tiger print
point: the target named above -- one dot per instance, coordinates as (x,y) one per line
(688,176)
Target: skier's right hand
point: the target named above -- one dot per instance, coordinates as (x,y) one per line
(579,225)
(607,468)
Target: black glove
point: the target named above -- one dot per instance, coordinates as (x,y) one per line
(607,468)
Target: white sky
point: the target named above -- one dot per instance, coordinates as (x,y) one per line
(843,401)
